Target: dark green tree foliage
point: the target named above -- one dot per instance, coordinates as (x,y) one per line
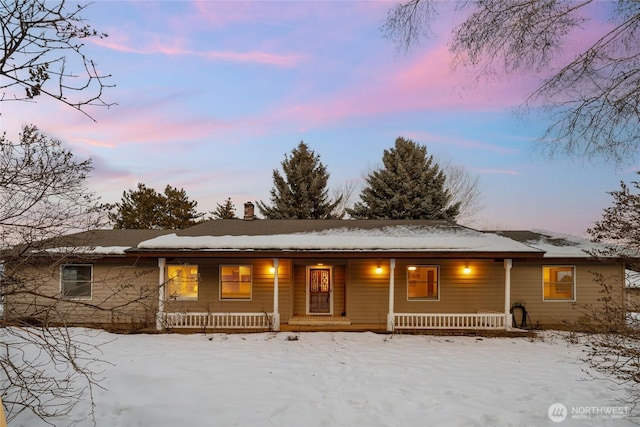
(226,211)
(302,192)
(410,185)
(145,208)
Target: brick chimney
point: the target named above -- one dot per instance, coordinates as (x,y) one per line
(249,211)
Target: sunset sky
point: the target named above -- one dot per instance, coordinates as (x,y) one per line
(211,96)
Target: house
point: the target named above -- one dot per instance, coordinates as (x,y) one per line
(250,274)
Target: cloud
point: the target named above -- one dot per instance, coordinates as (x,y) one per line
(160,48)
(434,138)
(498,171)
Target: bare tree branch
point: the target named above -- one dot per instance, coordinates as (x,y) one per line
(592,96)
(42,54)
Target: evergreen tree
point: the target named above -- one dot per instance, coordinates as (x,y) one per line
(145,208)
(410,185)
(302,192)
(226,211)
(179,212)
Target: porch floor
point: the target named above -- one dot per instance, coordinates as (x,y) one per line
(319,320)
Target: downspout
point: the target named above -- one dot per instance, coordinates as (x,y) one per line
(392,267)
(276,315)
(508,263)
(162,262)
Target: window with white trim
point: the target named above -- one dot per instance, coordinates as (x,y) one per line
(422,282)
(559,283)
(76,281)
(182,282)
(235,282)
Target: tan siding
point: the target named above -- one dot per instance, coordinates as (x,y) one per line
(299,290)
(481,289)
(261,292)
(339,292)
(526,287)
(122,292)
(367,292)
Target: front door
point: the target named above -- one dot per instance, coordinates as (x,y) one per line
(319,290)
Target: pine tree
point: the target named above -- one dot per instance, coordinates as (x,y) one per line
(226,211)
(179,211)
(302,192)
(410,185)
(144,208)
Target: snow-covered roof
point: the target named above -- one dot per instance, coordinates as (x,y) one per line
(555,245)
(398,238)
(90,250)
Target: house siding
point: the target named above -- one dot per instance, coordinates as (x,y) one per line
(261,292)
(481,289)
(367,292)
(122,292)
(526,288)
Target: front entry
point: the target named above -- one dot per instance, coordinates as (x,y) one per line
(319,290)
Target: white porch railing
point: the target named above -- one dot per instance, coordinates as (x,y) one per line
(480,320)
(268,321)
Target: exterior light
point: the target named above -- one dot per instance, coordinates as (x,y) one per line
(467,269)
(378,269)
(411,268)
(272,270)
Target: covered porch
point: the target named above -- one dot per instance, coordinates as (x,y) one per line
(379,302)
(479,319)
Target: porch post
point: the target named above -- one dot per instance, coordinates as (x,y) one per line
(162,262)
(507,294)
(392,267)
(276,315)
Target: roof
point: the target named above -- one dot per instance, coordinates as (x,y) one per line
(335,236)
(297,236)
(101,242)
(555,245)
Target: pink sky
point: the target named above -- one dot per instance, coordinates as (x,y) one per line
(211,96)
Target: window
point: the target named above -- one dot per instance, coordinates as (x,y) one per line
(235,282)
(182,282)
(422,282)
(559,283)
(75,281)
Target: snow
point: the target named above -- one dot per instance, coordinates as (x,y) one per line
(397,238)
(632,279)
(340,379)
(90,250)
(559,245)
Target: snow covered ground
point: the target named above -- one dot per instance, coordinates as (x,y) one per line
(343,379)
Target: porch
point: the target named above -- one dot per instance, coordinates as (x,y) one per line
(222,321)
(483,320)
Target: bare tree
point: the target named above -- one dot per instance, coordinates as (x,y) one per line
(592,96)
(464,188)
(344,193)
(44,368)
(614,342)
(43,54)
